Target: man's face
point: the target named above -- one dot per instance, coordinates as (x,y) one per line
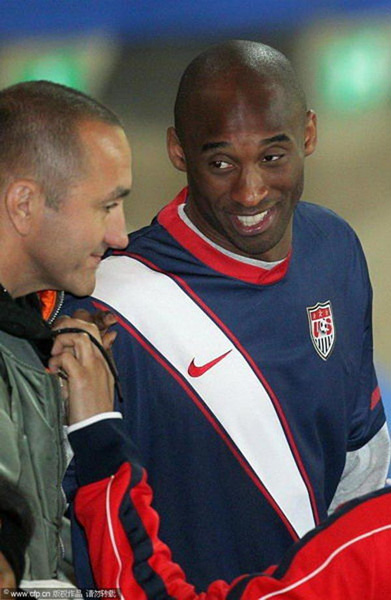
(69,240)
(243,151)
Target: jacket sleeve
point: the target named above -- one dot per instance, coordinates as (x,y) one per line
(10,465)
(114,507)
(81,563)
(365,469)
(368,443)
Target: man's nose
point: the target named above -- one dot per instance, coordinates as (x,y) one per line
(116,232)
(250,188)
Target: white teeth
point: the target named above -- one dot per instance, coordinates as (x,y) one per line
(252,220)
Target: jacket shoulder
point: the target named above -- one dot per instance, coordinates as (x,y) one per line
(325,220)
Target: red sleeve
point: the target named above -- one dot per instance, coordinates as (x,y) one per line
(345,558)
(125,551)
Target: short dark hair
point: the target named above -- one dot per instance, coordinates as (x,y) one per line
(236,56)
(16,526)
(39,136)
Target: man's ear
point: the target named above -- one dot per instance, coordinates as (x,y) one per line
(310,133)
(175,150)
(23,201)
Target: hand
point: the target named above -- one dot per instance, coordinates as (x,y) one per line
(103,319)
(89,382)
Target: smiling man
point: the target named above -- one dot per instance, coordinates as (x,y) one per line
(244,338)
(243,156)
(64,170)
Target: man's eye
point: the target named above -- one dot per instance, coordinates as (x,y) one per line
(220,164)
(109,207)
(272,157)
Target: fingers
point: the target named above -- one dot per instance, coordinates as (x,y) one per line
(101,319)
(104,319)
(75,352)
(65,364)
(68,322)
(74,343)
(89,382)
(83,315)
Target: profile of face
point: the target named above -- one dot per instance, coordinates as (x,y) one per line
(7,576)
(67,242)
(243,149)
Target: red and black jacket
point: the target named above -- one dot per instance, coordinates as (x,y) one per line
(347,557)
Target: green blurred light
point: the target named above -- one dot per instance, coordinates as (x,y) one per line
(354,72)
(63,67)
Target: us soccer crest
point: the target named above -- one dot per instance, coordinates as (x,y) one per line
(322,329)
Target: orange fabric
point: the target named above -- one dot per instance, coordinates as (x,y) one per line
(48,302)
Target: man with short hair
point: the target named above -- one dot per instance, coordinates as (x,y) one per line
(65,168)
(245,340)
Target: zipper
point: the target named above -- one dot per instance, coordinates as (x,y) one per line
(58,307)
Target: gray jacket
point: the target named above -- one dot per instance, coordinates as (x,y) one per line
(31,447)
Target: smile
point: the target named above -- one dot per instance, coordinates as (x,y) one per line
(250,221)
(248,225)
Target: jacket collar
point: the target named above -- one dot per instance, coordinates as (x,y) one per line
(22,318)
(211,255)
